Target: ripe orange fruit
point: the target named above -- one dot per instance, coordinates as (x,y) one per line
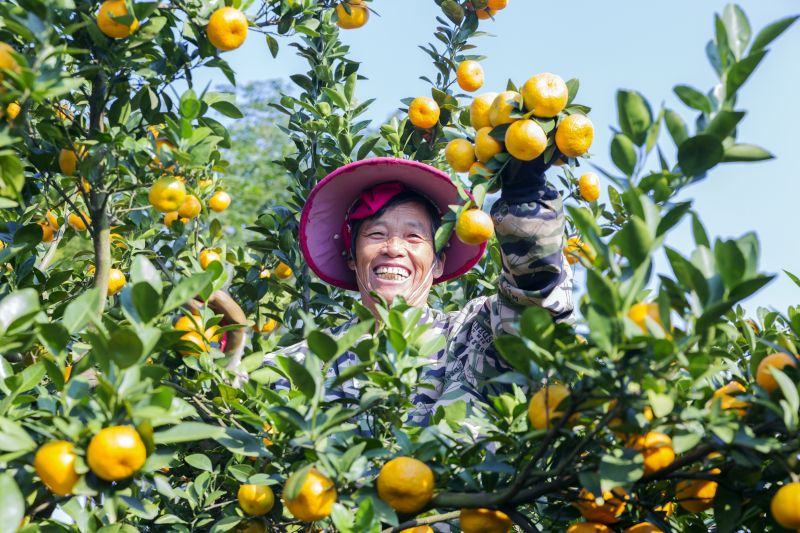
(254,526)
(589,527)
(460,154)
(227,28)
(283,271)
(764,377)
(68,161)
(171,217)
(207,257)
(696,495)
(479,110)
(269,430)
(484,14)
(474,226)
(406,484)
(545,95)
(219,202)
(589,187)
(574,135)
(642,527)
(12,110)
(486,146)
(543,408)
(668,509)
(575,249)
(55,465)
(85,185)
(656,449)
(469,75)
(315,499)
(423,112)
(256,500)
(111,9)
(190,207)
(7,61)
(76,222)
(269,326)
(785,506)
(418,529)
(116,280)
(188,323)
(503,105)
(727,397)
(196,338)
(497,5)
(479,168)
(167,194)
(358,16)
(52,219)
(484,521)
(67,372)
(525,140)
(640,311)
(116,453)
(607,512)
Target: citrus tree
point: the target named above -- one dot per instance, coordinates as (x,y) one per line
(135,394)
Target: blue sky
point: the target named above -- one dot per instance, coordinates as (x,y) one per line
(647,46)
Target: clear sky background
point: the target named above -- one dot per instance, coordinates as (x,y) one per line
(647,46)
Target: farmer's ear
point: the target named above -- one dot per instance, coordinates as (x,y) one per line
(351,262)
(438,265)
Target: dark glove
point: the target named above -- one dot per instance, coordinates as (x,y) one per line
(524,181)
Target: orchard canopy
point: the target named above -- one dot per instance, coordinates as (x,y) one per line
(152,276)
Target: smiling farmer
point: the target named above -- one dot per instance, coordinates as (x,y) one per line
(369,226)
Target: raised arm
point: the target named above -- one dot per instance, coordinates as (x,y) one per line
(529,223)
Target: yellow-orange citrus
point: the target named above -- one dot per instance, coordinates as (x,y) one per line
(67,372)
(484,14)
(785,506)
(268,429)
(207,257)
(219,201)
(764,377)
(76,222)
(167,194)
(469,75)
(269,326)
(640,311)
(474,226)
(479,169)
(497,5)
(642,527)
(55,465)
(189,323)
(111,9)
(116,280)
(460,154)
(525,140)
(283,271)
(484,521)
(190,207)
(171,217)
(589,527)
(315,499)
(7,61)
(256,500)
(656,450)
(574,135)
(667,508)
(479,110)
(85,185)
(589,187)
(607,512)
(545,95)
(727,397)
(12,110)
(543,408)
(52,219)
(423,112)
(68,161)
(418,529)
(503,105)
(196,338)
(486,146)
(575,249)
(406,484)
(116,453)
(358,16)
(253,526)
(696,495)
(227,28)
(48,233)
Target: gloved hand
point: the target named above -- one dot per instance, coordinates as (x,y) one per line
(523,181)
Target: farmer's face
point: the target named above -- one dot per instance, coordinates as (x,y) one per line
(395,255)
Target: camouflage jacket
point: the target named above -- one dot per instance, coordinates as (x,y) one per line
(530,230)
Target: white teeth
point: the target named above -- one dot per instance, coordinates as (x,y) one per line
(392,273)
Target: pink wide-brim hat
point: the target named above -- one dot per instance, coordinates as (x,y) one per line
(321,239)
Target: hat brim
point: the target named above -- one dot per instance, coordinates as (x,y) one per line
(326,207)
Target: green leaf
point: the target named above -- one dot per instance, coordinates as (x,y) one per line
(190,105)
(18,307)
(621,469)
(724,123)
(272,44)
(738,29)
(788,388)
(634,240)
(124,347)
(745,153)
(188,432)
(573,86)
(699,232)
(698,154)
(772,32)
(676,126)
(730,262)
(623,153)
(187,289)
(81,310)
(299,376)
(514,351)
(728,507)
(12,504)
(635,115)
(199,461)
(323,345)
(54,337)
(741,71)
(693,98)
(662,404)
(13,438)
(602,291)
(295,483)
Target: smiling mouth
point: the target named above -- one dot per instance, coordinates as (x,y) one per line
(391,273)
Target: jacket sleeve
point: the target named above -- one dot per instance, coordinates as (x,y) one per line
(529,223)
